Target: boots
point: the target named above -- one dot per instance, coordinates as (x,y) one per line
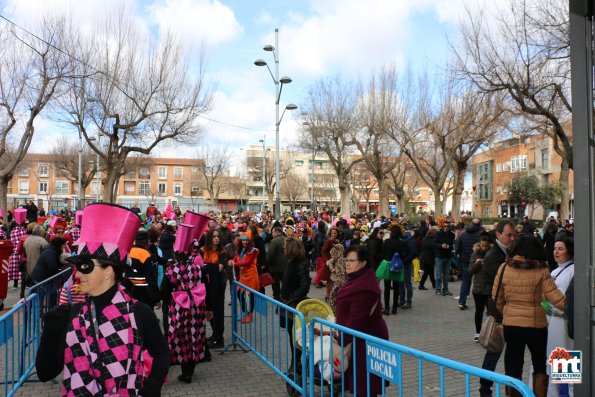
(510,392)
(540,384)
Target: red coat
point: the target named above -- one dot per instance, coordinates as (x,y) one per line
(354,302)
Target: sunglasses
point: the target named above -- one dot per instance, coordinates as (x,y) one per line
(85,267)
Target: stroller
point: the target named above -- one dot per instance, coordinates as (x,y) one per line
(310,308)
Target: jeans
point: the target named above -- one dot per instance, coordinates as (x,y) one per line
(465,283)
(481,304)
(490,361)
(406,287)
(441,271)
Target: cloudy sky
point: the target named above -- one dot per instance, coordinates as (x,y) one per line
(317,39)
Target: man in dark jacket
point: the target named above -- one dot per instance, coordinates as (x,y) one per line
(32,211)
(142,271)
(48,263)
(406,287)
(444,243)
(505,238)
(276,260)
(464,249)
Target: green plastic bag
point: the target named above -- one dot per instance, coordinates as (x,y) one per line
(383,273)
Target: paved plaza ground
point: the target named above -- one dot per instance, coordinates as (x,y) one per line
(434,324)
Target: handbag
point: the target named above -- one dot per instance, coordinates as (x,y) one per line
(491,336)
(265,279)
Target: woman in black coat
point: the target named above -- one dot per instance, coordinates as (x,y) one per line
(295,285)
(427,256)
(374,247)
(48,263)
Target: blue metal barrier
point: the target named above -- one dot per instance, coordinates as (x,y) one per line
(19,338)
(48,291)
(385,360)
(260,323)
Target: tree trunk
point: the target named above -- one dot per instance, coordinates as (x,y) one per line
(383,197)
(564,187)
(438,204)
(457,193)
(4,195)
(111,183)
(401,203)
(345,192)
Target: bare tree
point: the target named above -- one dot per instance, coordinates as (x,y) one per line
(525,55)
(235,186)
(255,164)
(377,117)
(329,125)
(136,92)
(294,187)
(403,181)
(213,163)
(363,183)
(66,161)
(31,75)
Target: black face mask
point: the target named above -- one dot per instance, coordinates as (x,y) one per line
(86,266)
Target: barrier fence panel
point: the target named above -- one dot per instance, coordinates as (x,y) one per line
(19,338)
(382,364)
(48,291)
(265,327)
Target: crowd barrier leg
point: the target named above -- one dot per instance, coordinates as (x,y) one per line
(234,345)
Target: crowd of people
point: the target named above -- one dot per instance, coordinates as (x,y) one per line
(126,269)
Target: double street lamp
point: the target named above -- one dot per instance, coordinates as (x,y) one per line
(278,88)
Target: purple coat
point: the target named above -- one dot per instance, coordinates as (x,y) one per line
(354,303)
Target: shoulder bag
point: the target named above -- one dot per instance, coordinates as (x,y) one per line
(491,336)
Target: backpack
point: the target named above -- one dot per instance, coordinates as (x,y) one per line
(396,263)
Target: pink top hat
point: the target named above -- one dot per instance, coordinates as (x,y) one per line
(78,218)
(1,213)
(108,233)
(184,238)
(55,220)
(20,215)
(199,221)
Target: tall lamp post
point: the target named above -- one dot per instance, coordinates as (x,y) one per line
(264,175)
(278,88)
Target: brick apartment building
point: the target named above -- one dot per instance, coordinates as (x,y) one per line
(495,168)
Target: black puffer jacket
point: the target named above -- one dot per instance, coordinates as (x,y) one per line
(48,263)
(374,252)
(465,242)
(295,283)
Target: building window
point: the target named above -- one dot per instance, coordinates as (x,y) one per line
(24,171)
(195,170)
(94,187)
(518,163)
(62,186)
(144,173)
(499,167)
(178,172)
(162,188)
(43,186)
(43,169)
(162,172)
(545,158)
(178,189)
(129,187)
(23,186)
(484,182)
(196,190)
(130,175)
(144,188)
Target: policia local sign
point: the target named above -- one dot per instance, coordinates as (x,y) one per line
(382,361)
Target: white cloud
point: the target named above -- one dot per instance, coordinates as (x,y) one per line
(196,21)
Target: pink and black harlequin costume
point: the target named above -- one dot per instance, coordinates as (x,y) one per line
(14,261)
(104,343)
(184,287)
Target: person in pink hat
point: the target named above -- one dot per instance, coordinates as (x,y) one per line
(184,289)
(104,344)
(14,261)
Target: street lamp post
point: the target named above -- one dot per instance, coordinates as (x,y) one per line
(278,88)
(264,152)
(80,172)
(97,181)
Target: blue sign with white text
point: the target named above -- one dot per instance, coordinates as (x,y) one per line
(382,361)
